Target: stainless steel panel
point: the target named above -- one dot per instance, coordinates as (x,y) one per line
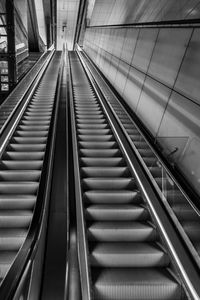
(168,54)
(181,118)
(116,12)
(169,144)
(194,13)
(121,76)
(67,13)
(152,104)
(108,57)
(129,44)
(113,69)
(189,163)
(133,87)
(118,41)
(130,11)
(144,47)
(188,78)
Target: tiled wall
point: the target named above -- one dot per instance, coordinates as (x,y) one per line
(157,72)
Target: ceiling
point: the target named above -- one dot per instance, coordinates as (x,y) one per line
(111,12)
(67,12)
(41,20)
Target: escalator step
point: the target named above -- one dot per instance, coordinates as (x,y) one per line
(19,175)
(100,153)
(116,212)
(128,255)
(96,183)
(102,138)
(121,232)
(105,172)
(13,155)
(110,197)
(6,259)
(140,284)
(18,187)
(27,147)
(98,145)
(15,219)
(17,202)
(21,165)
(12,239)
(30,134)
(102,161)
(29,140)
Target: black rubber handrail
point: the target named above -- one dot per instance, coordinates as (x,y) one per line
(81,233)
(27,252)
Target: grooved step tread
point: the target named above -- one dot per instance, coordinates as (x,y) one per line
(103,161)
(15,218)
(98,145)
(105,171)
(11,239)
(140,284)
(17,202)
(18,187)
(116,212)
(20,175)
(110,183)
(114,196)
(121,232)
(128,255)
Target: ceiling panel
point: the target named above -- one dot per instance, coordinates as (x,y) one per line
(112,12)
(67,12)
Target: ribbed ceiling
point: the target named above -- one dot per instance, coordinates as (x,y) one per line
(111,12)
(67,12)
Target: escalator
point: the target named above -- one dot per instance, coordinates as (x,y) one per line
(182,204)
(126,256)
(21,166)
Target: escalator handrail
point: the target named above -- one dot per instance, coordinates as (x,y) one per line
(28,250)
(81,234)
(174,173)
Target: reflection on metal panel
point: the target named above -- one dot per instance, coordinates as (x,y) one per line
(189,163)
(133,87)
(110,12)
(144,48)
(168,54)
(121,76)
(152,104)
(113,68)
(181,118)
(119,41)
(188,79)
(173,147)
(41,20)
(67,12)
(129,44)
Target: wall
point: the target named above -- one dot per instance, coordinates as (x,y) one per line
(157,72)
